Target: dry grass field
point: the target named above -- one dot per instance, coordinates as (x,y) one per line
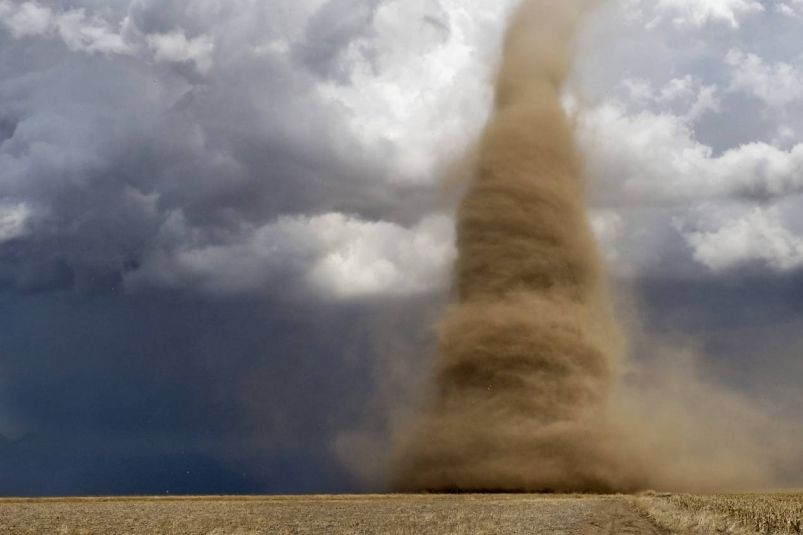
(780,513)
(394,514)
(405,514)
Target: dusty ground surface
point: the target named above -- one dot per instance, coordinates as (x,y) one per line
(779,513)
(394,514)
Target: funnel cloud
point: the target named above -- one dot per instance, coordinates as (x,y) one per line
(528,355)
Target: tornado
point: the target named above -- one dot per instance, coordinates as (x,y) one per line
(529,353)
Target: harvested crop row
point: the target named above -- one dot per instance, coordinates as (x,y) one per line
(732,513)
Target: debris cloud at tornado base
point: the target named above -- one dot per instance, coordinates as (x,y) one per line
(529,354)
(533,389)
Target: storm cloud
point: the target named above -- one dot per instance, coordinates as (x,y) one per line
(212,213)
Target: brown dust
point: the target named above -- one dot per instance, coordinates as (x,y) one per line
(528,355)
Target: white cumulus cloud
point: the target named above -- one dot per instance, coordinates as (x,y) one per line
(337,255)
(755,235)
(83,32)
(14,220)
(79,31)
(777,84)
(693,13)
(175,47)
(655,158)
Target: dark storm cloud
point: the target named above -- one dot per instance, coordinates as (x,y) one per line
(207,127)
(168,394)
(172,129)
(331,32)
(212,215)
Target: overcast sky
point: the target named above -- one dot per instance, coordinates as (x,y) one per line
(224,230)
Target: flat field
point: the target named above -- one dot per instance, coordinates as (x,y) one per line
(404,514)
(780,512)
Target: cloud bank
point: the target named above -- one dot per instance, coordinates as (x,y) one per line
(199,159)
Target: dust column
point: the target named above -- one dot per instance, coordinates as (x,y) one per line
(529,353)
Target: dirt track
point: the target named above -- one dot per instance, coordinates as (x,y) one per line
(497,514)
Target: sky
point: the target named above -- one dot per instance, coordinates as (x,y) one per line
(226,226)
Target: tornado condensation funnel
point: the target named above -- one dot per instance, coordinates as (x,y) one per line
(528,354)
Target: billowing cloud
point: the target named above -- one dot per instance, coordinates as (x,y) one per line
(778,84)
(687,159)
(206,130)
(225,195)
(692,13)
(745,236)
(207,206)
(336,255)
(91,33)
(791,8)
(77,30)
(159,135)
(657,159)
(175,47)
(13,221)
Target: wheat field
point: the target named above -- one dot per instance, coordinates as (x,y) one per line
(392,514)
(405,514)
(780,512)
